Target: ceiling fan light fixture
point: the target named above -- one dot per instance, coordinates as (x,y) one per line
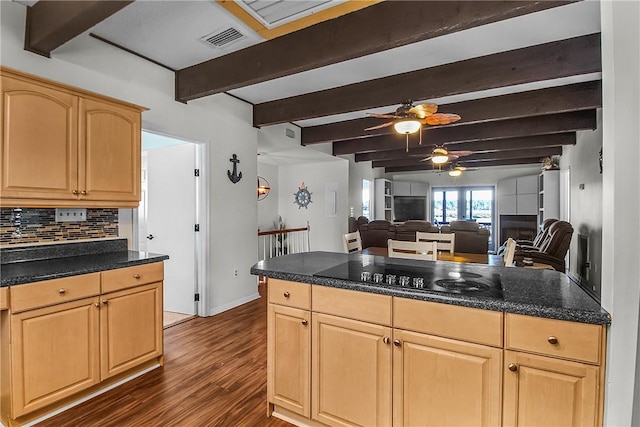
(455,172)
(439,156)
(407,126)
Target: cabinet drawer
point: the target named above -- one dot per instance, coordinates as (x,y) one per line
(56,291)
(122,278)
(449,321)
(292,294)
(573,340)
(356,305)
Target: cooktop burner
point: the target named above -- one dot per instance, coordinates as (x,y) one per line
(432,277)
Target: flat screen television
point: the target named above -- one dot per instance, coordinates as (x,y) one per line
(409,207)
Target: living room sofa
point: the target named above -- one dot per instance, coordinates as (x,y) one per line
(470,237)
(376,233)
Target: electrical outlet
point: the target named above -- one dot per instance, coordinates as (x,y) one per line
(235,273)
(71,215)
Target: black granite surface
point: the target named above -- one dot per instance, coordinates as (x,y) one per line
(37,263)
(542,293)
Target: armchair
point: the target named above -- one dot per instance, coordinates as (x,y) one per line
(470,238)
(553,250)
(376,233)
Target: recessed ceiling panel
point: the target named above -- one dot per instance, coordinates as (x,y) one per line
(272,13)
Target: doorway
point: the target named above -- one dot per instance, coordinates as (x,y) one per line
(167,218)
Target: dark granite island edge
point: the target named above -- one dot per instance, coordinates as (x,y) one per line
(540,293)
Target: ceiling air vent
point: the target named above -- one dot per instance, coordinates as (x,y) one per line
(222,38)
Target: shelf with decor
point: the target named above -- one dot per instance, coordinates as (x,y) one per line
(548,195)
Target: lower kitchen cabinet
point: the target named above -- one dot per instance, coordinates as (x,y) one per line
(130,328)
(543,391)
(289,358)
(351,374)
(54,353)
(444,382)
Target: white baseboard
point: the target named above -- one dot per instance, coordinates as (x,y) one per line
(233,304)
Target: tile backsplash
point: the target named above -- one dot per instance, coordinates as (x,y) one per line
(27,225)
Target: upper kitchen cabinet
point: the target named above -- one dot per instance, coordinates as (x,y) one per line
(63,147)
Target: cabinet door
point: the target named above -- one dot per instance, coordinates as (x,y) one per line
(130,328)
(289,359)
(542,391)
(527,184)
(401,188)
(109,152)
(39,142)
(351,372)
(444,382)
(419,188)
(527,204)
(54,353)
(507,205)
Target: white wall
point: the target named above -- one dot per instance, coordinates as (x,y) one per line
(268,207)
(220,121)
(586,215)
(621,203)
(326,231)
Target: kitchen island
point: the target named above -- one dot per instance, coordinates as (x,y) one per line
(491,346)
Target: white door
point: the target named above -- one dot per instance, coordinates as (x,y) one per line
(170,219)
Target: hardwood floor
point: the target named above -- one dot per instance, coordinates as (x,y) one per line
(214,375)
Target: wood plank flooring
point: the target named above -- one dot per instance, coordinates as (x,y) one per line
(214,375)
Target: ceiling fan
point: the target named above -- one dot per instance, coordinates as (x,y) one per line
(456,170)
(440,155)
(409,118)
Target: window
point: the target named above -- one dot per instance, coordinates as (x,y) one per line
(366,199)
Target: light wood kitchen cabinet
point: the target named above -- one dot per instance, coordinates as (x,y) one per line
(54,353)
(351,373)
(64,147)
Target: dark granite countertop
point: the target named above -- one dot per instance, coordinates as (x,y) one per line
(45,262)
(541,293)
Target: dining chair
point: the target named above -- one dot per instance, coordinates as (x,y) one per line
(412,250)
(510,251)
(446,241)
(352,242)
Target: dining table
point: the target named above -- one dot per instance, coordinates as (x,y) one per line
(447,256)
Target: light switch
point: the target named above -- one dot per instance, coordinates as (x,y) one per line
(71,215)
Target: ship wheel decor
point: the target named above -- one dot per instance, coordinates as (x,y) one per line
(409,119)
(302,197)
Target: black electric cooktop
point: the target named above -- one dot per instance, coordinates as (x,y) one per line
(433,278)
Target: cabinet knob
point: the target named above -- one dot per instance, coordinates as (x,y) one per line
(552,340)
(83,192)
(513,367)
(287,294)
(386,340)
(97,304)
(136,276)
(106,301)
(62,291)
(305,322)
(74,192)
(397,343)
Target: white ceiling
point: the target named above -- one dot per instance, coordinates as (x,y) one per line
(169,32)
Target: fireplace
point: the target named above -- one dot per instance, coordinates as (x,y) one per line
(518,227)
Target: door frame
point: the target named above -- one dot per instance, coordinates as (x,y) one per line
(202,209)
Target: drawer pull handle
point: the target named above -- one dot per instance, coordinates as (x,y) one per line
(74,192)
(397,343)
(552,340)
(305,322)
(386,340)
(513,367)
(83,192)
(62,291)
(136,276)
(287,294)
(106,301)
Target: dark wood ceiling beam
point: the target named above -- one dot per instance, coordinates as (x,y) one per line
(343,38)
(522,143)
(479,157)
(538,125)
(561,99)
(505,162)
(50,24)
(578,55)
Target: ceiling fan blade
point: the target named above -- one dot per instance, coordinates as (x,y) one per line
(384,125)
(423,110)
(383,116)
(461,153)
(426,159)
(441,119)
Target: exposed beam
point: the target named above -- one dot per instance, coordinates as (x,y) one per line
(506,162)
(478,157)
(522,143)
(50,24)
(579,55)
(538,125)
(346,37)
(561,99)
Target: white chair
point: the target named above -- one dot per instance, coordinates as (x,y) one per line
(412,250)
(446,241)
(352,242)
(509,252)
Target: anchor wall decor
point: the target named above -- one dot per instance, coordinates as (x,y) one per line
(236,176)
